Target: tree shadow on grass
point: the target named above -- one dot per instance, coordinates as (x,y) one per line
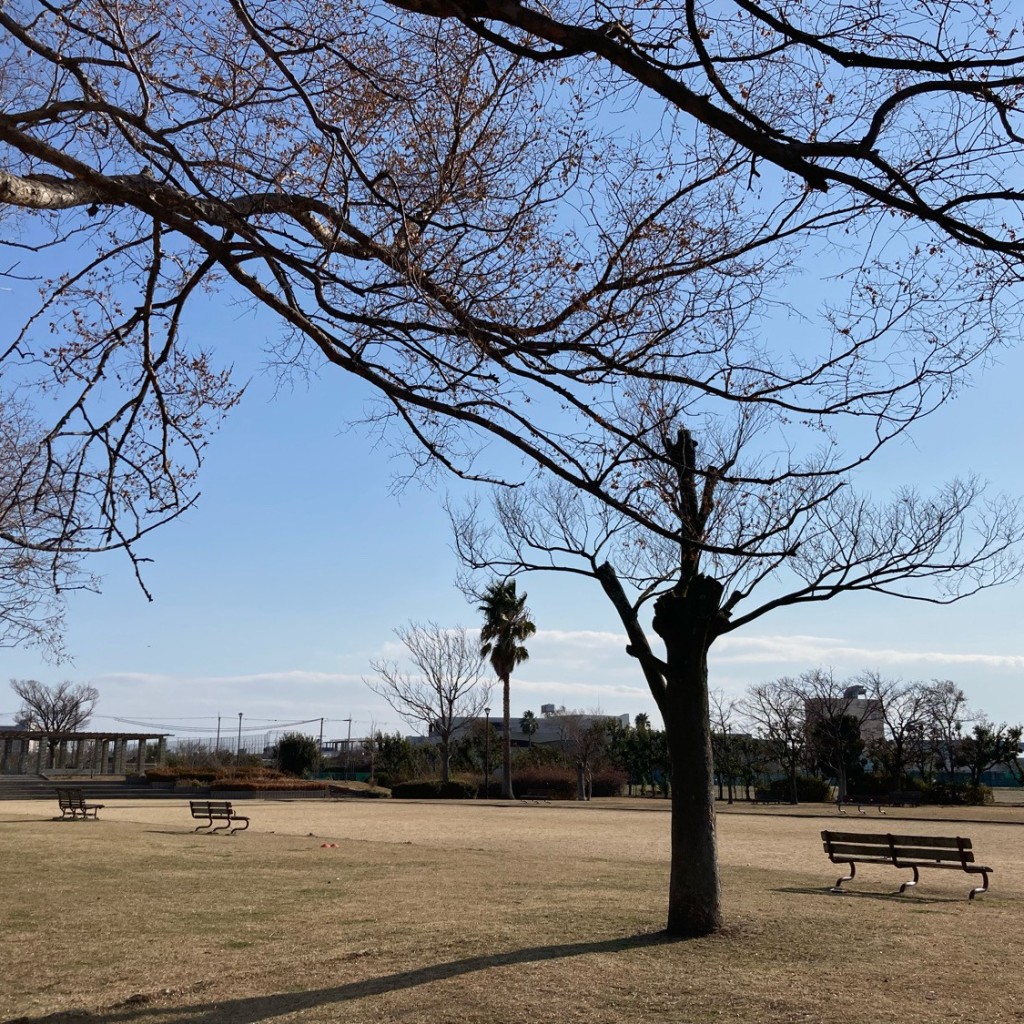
(256,1008)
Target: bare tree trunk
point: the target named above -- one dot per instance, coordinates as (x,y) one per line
(684,619)
(506,743)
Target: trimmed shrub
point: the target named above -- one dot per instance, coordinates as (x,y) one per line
(551,781)
(957,796)
(416,789)
(457,789)
(249,784)
(434,789)
(809,789)
(609,782)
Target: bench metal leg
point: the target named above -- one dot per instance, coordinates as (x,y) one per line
(914,881)
(240,828)
(981,888)
(199,828)
(846,878)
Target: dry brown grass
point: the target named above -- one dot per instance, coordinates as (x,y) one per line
(473,912)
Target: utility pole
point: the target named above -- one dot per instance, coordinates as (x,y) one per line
(238,753)
(348,746)
(487,753)
(320,749)
(218,734)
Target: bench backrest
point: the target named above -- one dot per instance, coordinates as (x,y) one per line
(70,797)
(210,806)
(897,848)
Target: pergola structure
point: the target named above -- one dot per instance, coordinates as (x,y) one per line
(27,751)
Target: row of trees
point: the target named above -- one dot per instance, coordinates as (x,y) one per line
(839,727)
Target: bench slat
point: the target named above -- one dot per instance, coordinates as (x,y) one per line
(857,850)
(949,842)
(923,854)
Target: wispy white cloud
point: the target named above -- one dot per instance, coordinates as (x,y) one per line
(254,678)
(814,650)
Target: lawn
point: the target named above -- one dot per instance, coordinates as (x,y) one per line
(488,912)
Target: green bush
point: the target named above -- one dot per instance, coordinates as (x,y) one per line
(433,789)
(809,789)
(457,789)
(957,796)
(297,754)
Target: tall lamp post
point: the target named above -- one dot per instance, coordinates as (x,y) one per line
(487,752)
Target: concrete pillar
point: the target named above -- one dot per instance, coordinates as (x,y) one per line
(41,747)
(120,755)
(79,753)
(161,750)
(142,755)
(99,756)
(60,754)
(5,757)
(23,757)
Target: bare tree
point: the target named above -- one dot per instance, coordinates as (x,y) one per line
(450,209)
(903,708)
(732,538)
(55,710)
(778,714)
(947,712)
(447,688)
(585,740)
(725,746)
(836,712)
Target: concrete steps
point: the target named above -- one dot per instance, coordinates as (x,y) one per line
(42,787)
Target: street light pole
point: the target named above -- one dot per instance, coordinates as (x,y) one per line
(487,752)
(238,753)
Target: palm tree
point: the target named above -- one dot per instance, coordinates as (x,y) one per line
(528,725)
(506,625)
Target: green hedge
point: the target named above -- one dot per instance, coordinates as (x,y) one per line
(553,781)
(433,789)
(809,789)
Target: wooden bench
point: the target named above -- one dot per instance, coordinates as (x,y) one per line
(72,804)
(914,852)
(766,796)
(217,810)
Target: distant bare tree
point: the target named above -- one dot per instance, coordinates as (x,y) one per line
(947,712)
(55,710)
(585,739)
(724,744)
(448,686)
(904,710)
(778,715)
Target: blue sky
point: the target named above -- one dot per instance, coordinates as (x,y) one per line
(274,594)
